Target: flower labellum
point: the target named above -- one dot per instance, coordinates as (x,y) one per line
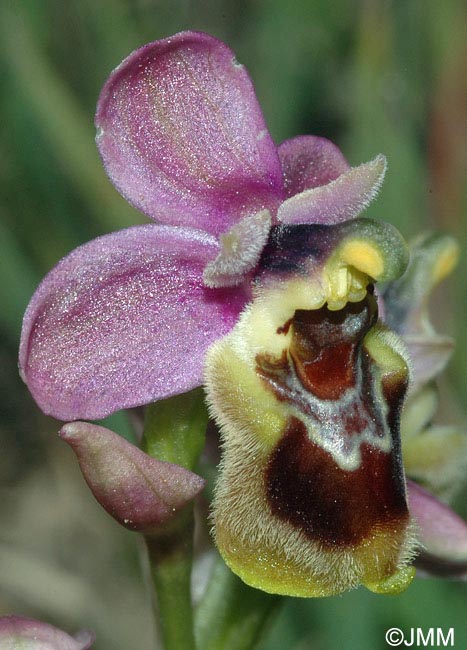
(308,389)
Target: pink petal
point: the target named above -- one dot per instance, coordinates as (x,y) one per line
(140,492)
(182,136)
(442,533)
(124,320)
(240,252)
(340,200)
(28,634)
(309,161)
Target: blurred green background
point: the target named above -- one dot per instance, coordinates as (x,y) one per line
(374,76)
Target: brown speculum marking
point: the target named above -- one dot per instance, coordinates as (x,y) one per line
(332,506)
(329,377)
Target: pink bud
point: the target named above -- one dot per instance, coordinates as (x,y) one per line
(139,491)
(25,633)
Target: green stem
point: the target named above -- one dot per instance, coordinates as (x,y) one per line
(232,616)
(175,429)
(174,432)
(170,556)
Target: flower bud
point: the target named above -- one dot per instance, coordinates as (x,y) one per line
(432,257)
(28,634)
(140,492)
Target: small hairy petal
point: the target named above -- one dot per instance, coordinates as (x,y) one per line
(442,533)
(140,492)
(122,321)
(182,136)
(25,633)
(241,249)
(340,200)
(309,161)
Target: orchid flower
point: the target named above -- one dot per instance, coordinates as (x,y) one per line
(258,280)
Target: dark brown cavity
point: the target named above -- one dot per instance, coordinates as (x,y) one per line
(326,344)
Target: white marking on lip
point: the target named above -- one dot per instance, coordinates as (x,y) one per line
(324,420)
